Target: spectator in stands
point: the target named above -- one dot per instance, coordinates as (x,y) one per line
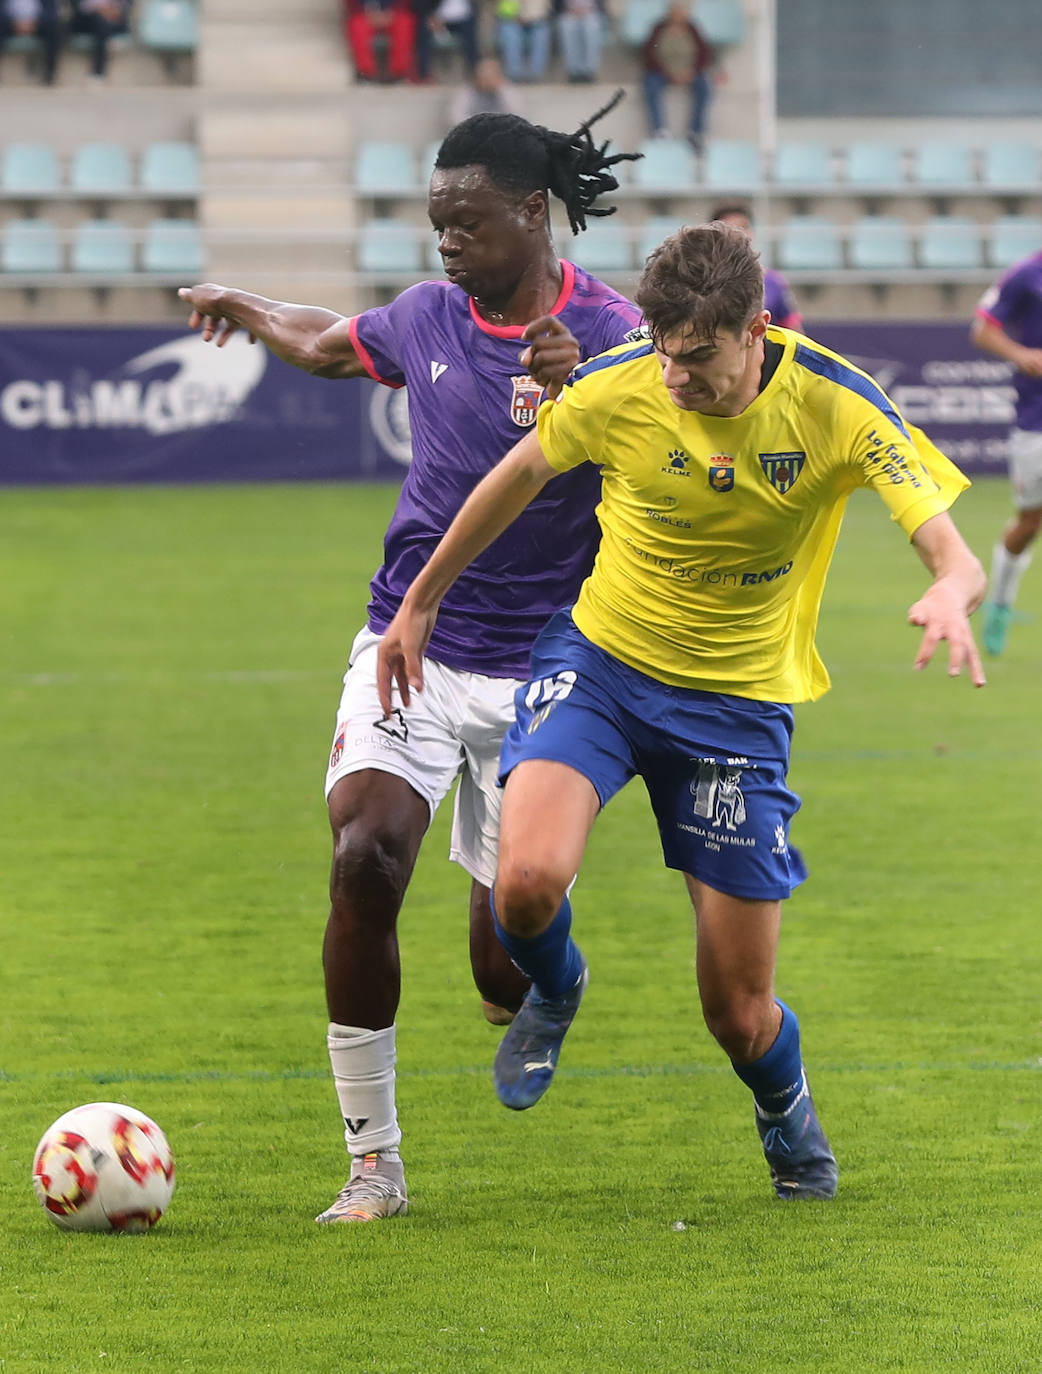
(676,54)
(101,20)
(580,29)
(423,11)
(487,92)
(460,19)
(777,293)
(381,36)
(523,30)
(34,19)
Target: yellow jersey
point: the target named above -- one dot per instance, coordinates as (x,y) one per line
(717,532)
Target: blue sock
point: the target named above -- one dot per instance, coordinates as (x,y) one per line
(776,1078)
(552,960)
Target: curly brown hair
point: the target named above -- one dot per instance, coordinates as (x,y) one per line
(699,281)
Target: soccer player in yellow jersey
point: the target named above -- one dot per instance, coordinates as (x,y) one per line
(728,449)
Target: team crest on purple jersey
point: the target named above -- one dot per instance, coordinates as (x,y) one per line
(524,403)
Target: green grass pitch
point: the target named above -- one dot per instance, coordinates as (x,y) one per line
(170,666)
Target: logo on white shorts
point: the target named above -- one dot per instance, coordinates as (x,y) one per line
(394,725)
(338,746)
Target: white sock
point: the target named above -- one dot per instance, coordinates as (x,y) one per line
(1006,571)
(363,1071)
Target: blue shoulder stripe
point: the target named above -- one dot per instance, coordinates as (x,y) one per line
(640,350)
(835,370)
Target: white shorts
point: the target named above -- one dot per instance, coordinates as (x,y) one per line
(1025,468)
(454,726)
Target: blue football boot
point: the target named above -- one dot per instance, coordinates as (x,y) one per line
(527,1054)
(802,1164)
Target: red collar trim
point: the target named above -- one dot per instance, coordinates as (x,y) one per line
(514,331)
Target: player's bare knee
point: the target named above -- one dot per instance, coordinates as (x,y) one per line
(527,899)
(738,1028)
(368,867)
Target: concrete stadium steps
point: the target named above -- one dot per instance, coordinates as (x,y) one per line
(302,54)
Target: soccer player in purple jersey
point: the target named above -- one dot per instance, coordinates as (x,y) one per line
(476,353)
(777,293)
(1008,323)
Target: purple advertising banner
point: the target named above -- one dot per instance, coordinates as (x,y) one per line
(961,397)
(156,405)
(159,405)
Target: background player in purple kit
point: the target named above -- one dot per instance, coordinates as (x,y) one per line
(777,293)
(474,388)
(1008,323)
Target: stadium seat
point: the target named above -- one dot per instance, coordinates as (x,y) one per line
(653,231)
(168,26)
(810,243)
(30,245)
(1012,237)
(1013,165)
(384,165)
(103,168)
(103,247)
(170,169)
(31,168)
(732,165)
(722,22)
(174,247)
(950,242)
(943,165)
(667,165)
(875,165)
(803,164)
(638,18)
(603,247)
(386,245)
(881,243)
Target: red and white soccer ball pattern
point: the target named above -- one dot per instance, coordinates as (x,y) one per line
(104,1167)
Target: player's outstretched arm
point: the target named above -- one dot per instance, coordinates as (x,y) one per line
(957,589)
(316,340)
(992,338)
(497,500)
(552,354)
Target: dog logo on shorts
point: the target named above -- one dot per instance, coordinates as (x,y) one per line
(718,795)
(394,725)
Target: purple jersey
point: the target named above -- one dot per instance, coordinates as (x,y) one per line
(778,299)
(469,403)
(1015,305)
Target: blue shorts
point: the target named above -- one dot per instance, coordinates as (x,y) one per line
(714,765)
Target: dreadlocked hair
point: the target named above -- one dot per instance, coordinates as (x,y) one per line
(523,157)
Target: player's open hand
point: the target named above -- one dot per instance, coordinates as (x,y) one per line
(399,659)
(552,353)
(942,615)
(210,313)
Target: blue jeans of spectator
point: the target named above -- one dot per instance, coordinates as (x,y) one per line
(100,30)
(580,36)
(518,41)
(654,97)
(48,31)
(465,32)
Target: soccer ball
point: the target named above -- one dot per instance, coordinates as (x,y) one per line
(104,1167)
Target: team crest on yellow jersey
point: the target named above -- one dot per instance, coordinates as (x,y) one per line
(721,472)
(524,403)
(782,469)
